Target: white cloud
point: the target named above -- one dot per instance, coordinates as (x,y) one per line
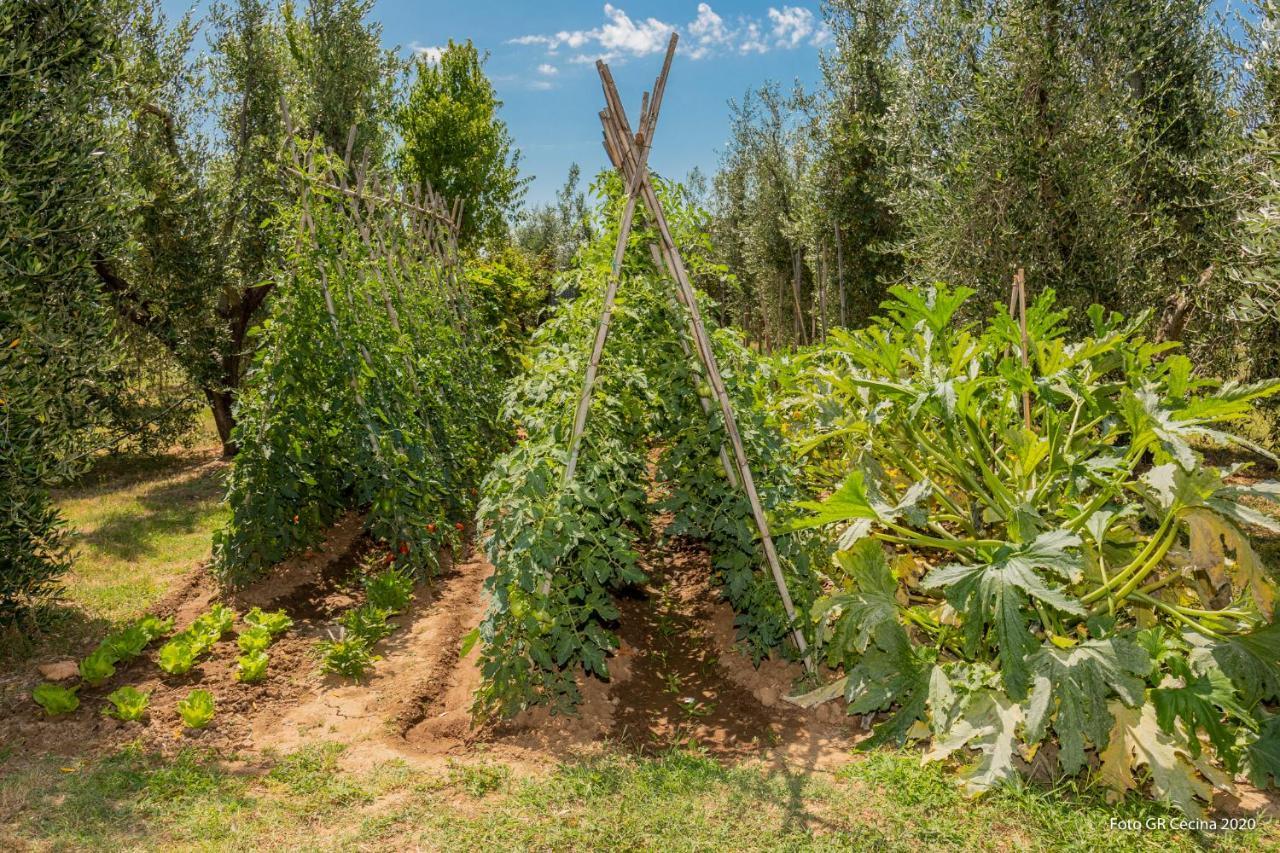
(540,85)
(548,69)
(708,32)
(620,36)
(791,25)
(428,54)
(624,34)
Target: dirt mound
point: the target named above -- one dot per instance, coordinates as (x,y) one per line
(676,679)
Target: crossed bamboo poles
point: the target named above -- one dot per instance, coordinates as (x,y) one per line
(629,153)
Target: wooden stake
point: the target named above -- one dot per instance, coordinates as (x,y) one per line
(615,270)
(1020,292)
(633,160)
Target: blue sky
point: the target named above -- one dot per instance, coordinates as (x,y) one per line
(542,65)
(541,61)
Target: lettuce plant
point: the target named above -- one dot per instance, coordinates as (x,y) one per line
(56,699)
(178,655)
(127,703)
(215,623)
(273,623)
(197,709)
(252,666)
(253,640)
(98,666)
(127,643)
(155,627)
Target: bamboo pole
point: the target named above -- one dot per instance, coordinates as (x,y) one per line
(615,270)
(633,160)
(1020,291)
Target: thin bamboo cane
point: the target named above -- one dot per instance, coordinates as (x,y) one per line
(615,274)
(1020,288)
(632,159)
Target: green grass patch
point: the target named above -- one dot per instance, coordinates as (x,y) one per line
(137,523)
(677,801)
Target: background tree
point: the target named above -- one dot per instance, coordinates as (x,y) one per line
(200,259)
(856,173)
(454,141)
(553,232)
(56,349)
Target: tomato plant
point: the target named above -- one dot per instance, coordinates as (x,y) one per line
(561,550)
(373,388)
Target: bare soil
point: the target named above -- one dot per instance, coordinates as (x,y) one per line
(677,678)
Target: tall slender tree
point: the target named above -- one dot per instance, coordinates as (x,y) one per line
(455,141)
(56,206)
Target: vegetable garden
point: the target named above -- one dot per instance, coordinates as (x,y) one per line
(1023,551)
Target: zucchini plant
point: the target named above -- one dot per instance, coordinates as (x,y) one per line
(1041,563)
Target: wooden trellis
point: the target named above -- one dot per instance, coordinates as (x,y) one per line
(629,153)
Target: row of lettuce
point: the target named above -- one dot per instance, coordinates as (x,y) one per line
(1028,566)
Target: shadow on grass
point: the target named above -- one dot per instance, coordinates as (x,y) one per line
(114,472)
(171,508)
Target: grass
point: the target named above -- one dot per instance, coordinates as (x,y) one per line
(137,523)
(678,801)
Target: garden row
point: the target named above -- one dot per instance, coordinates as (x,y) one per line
(371,386)
(562,550)
(175,657)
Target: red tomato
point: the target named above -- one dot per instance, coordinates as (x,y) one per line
(460,526)
(431,528)
(404,547)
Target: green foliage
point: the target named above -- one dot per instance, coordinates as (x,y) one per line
(196,709)
(350,656)
(455,142)
(390,590)
(183,650)
(215,623)
(252,666)
(554,232)
(178,655)
(273,623)
(367,621)
(56,699)
(127,703)
(126,644)
(56,349)
(195,161)
(98,666)
(1080,569)
(253,640)
(561,550)
(155,627)
(509,295)
(390,409)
